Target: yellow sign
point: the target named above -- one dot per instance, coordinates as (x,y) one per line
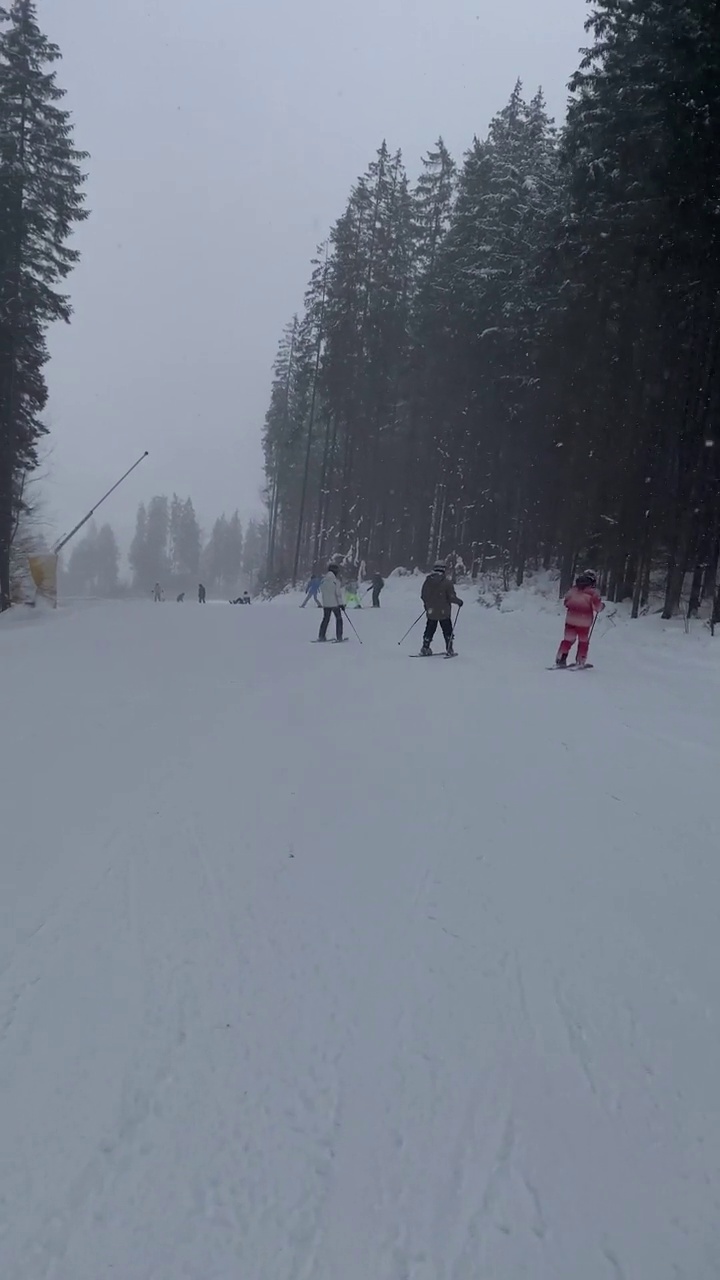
(43,570)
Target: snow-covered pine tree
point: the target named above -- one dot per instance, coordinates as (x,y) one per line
(432,202)
(283,438)
(475,328)
(530,369)
(642,148)
(40,202)
(93,566)
(369,290)
(107,562)
(214,557)
(156,564)
(232,566)
(138,553)
(186,549)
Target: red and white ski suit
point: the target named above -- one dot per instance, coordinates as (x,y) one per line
(582,604)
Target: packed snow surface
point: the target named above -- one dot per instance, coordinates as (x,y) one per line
(321,964)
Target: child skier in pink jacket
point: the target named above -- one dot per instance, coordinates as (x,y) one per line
(583,603)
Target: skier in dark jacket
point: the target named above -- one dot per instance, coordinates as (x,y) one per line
(378,583)
(438,595)
(202,594)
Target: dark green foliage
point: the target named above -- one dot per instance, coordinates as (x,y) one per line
(92,568)
(222,558)
(520,363)
(40,201)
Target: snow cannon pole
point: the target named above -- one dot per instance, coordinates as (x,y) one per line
(63,541)
(349,619)
(407,633)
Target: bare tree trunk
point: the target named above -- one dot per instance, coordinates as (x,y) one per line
(696,590)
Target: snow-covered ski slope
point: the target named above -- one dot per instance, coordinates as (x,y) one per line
(320,964)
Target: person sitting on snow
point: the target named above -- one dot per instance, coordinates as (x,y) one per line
(583,604)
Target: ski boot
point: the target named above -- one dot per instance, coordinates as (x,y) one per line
(561,660)
(426,651)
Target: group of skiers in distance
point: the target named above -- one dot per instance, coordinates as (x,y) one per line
(314,589)
(333,598)
(158,596)
(438,594)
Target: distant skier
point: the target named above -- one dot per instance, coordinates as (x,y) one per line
(438,595)
(312,589)
(181,597)
(378,583)
(351,593)
(333,602)
(583,604)
(202,594)
(246,598)
(157,593)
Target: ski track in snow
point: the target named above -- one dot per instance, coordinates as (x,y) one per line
(316,965)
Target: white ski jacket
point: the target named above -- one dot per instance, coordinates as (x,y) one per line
(331,592)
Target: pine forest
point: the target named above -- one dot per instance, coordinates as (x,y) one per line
(514,360)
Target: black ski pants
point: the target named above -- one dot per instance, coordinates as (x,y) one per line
(327,613)
(376,597)
(432,626)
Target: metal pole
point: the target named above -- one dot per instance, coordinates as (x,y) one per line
(407,633)
(64,541)
(349,619)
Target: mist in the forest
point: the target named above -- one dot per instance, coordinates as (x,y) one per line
(223,140)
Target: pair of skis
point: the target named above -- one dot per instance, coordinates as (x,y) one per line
(433,655)
(572,666)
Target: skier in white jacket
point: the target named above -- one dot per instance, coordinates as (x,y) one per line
(333,601)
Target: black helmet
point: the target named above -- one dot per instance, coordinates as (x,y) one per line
(439,567)
(332,568)
(586,579)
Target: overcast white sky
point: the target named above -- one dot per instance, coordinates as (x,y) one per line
(224,137)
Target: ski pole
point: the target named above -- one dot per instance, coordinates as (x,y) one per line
(407,633)
(352,624)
